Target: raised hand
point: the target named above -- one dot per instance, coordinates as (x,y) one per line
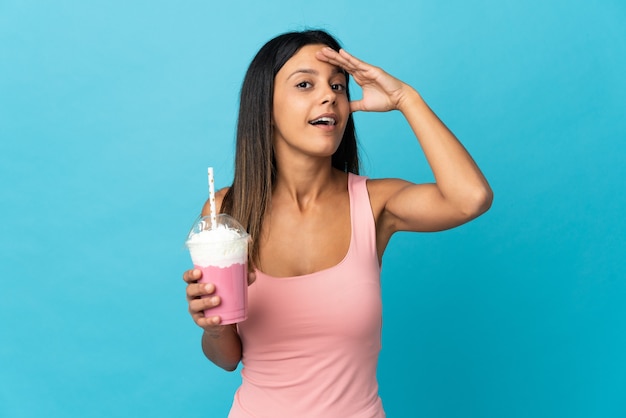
(381,91)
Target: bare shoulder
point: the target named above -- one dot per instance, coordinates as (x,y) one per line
(219,197)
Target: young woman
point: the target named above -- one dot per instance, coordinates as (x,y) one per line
(311,342)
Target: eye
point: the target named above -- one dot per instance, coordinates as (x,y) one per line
(338,87)
(304,85)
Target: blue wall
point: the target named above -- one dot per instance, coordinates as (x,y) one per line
(111,111)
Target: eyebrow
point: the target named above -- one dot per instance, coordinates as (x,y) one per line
(336,70)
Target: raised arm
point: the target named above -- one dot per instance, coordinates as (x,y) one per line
(460,192)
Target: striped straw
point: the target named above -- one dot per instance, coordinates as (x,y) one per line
(212,198)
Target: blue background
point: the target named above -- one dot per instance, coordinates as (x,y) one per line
(111,111)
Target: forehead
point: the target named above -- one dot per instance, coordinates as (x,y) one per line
(306,52)
(305,59)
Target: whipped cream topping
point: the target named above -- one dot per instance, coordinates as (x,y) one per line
(219,247)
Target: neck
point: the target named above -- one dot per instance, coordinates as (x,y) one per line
(304,182)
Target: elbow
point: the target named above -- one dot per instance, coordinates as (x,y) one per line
(227,363)
(478,202)
(229,367)
(486,199)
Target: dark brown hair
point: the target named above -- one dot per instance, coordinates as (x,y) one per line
(250,195)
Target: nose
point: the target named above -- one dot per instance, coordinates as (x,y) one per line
(329,96)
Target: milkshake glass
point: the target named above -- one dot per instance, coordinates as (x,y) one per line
(220,251)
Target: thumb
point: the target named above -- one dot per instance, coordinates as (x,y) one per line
(356,105)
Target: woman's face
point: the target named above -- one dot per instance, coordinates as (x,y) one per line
(311,106)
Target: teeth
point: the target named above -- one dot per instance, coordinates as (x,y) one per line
(328,121)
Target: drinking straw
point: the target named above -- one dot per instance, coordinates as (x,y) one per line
(212,198)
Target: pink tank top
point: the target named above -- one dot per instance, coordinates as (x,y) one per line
(311,343)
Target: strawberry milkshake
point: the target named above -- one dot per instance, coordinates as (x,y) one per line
(220,251)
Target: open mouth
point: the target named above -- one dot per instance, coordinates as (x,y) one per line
(324,121)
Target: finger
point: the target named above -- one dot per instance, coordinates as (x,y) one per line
(192,276)
(331,56)
(351,63)
(326,54)
(352,60)
(196,290)
(356,105)
(202,304)
(211,323)
(208,323)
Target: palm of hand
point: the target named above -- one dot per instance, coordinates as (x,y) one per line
(381,91)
